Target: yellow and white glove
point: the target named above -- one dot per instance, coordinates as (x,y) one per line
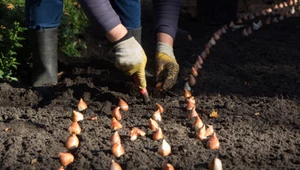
(131,59)
(167,68)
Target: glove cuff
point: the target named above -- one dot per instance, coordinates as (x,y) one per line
(165,48)
(126,37)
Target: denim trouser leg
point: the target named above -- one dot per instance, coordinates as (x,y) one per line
(43,13)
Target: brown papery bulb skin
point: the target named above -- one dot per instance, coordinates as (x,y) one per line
(115,138)
(209,130)
(117,113)
(164,149)
(190,103)
(77,116)
(74,128)
(135,132)
(65,158)
(117,149)
(215,164)
(167,166)
(156,115)
(159,107)
(115,166)
(72,142)
(187,94)
(198,123)
(157,135)
(81,105)
(192,113)
(201,133)
(115,124)
(123,105)
(213,142)
(153,125)
(192,81)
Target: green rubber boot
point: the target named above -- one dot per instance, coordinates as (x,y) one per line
(44,56)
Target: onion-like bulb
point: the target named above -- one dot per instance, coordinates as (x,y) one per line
(215,164)
(115,124)
(167,166)
(192,113)
(198,123)
(194,72)
(72,142)
(153,125)
(187,94)
(74,128)
(164,149)
(158,134)
(115,138)
(61,168)
(115,166)
(77,116)
(159,107)
(213,142)
(209,130)
(117,113)
(156,115)
(117,149)
(81,105)
(65,158)
(190,103)
(201,133)
(192,81)
(123,105)
(135,132)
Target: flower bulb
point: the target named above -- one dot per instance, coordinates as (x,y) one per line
(209,130)
(135,132)
(74,128)
(77,116)
(187,94)
(215,164)
(198,123)
(153,125)
(192,113)
(159,107)
(167,166)
(156,115)
(213,142)
(190,103)
(115,166)
(72,142)
(123,105)
(115,124)
(158,134)
(65,158)
(117,149)
(115,138)
(81,105)
(164,149)
(201,133)
(192,81)
(117,113)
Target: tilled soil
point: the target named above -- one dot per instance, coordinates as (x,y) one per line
(252,82)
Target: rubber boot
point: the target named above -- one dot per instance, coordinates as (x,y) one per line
(44,56)
(137,34)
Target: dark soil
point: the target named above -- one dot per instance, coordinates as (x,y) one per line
(253,82)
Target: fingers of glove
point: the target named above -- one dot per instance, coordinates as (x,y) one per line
(171,71)
(141,75)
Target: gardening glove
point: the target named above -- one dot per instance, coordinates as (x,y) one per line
(167,67)
(131,59)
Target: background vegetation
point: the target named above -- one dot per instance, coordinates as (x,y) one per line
(13,35)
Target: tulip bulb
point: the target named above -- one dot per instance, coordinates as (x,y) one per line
(223,30)
(203,55)
(115,166)
(123,105)
(216,36)
(213,142)
(187,87)
(164,149)
(281,5)
(158,134)
(81,105)
(61,168)
(210,130)
(77,116)
(72,142)
(117,113)
(212,41)
(167,166)
(198,123)
(245,33)
(74,128)
(206,50)
(215,164)
(192,113)
(115,138)
(192,81)
(194,72)
(115,124)
(219,32)
(200,60)
(190,103)
(239,21)
(117,149)
(156,115)
(135,132)
(159,107)
(249,30)
(187,94)
(201,133)
(153,125)
(65,158)
(231,24)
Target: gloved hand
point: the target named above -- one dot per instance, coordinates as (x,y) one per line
(167,67)
(131,59)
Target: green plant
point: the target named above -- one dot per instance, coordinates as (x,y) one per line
(11,40)
(72,28)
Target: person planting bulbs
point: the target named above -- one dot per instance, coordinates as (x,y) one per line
(119,20)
